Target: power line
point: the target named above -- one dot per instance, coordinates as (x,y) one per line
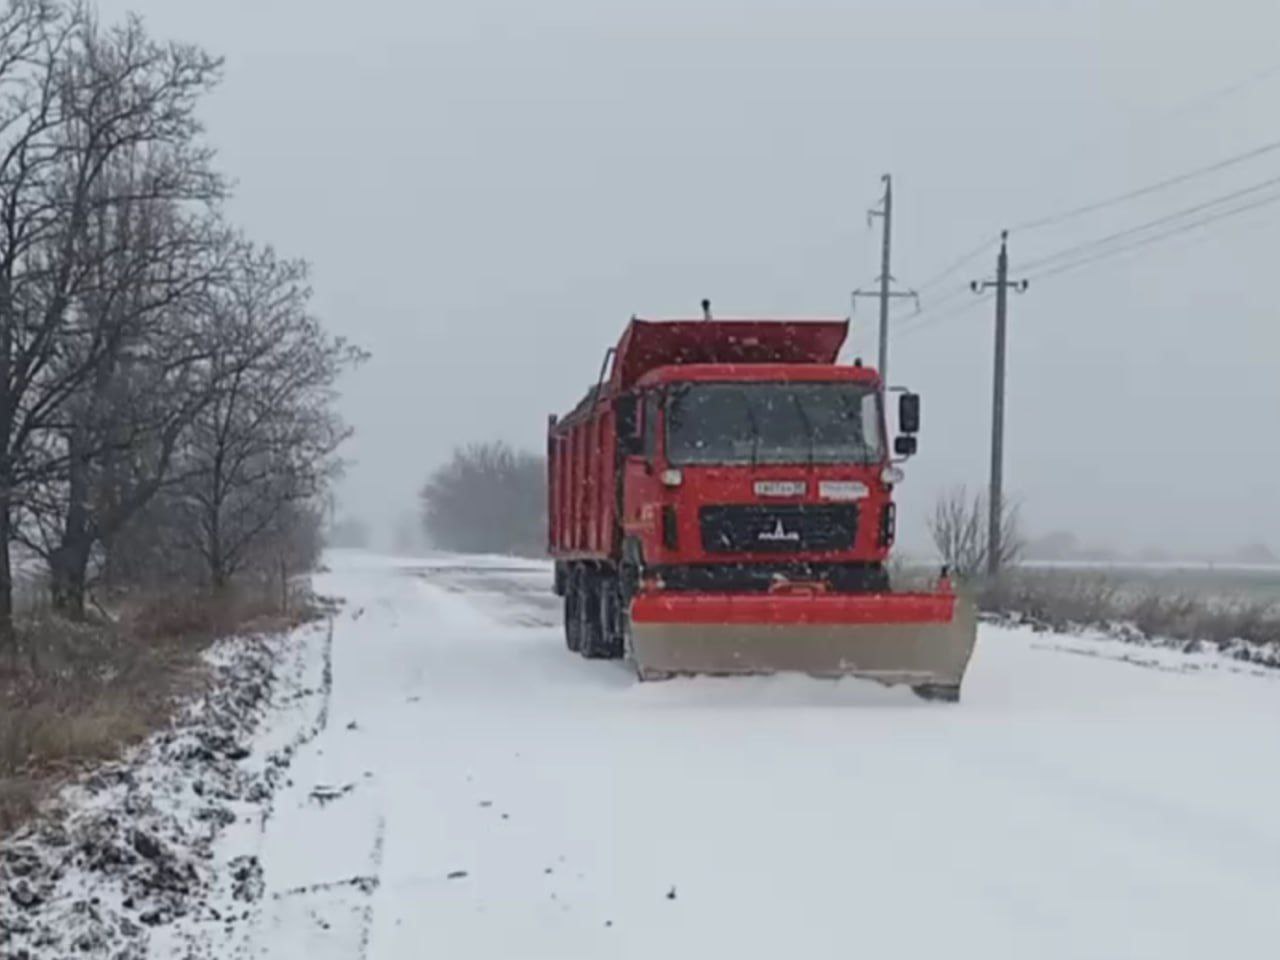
(1151,188)
(936,314)
(973,254)
(1213,96)
(1146,241)
(929,313)
(1143,227)
(1188,105)
(1185,177)
(929,316)
(932,308)
(936,318)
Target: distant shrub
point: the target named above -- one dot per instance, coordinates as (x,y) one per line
(488,498)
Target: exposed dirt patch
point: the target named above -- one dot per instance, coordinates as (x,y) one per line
(128,850)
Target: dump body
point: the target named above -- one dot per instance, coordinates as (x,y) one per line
(721,500)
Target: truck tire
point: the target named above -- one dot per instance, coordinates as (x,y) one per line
(592,625)
(613,615)
(572,611)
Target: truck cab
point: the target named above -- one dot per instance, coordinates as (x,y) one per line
(752,476)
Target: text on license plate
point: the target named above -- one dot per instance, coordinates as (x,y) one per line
(780,488)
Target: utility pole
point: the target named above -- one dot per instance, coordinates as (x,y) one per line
(885,294)
(995,501)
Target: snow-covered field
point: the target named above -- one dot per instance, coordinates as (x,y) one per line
(474,791)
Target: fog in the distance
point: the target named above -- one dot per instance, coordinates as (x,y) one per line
(488,190)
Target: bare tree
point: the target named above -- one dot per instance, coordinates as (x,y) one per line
(153,249)
(959,531)
(266,442)
(79,100)
(32,37)
(163,384)
(488,498)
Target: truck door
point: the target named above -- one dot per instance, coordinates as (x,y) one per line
(640,485)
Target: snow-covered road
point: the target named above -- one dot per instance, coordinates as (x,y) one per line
(483,793)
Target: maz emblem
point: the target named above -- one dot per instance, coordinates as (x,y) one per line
(780,534)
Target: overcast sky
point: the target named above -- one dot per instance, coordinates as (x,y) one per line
(487,190)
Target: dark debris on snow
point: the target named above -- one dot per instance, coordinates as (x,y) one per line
(129,848)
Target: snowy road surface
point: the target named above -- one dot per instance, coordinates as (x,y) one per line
(479,792)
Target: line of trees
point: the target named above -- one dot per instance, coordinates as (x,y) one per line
(165,391)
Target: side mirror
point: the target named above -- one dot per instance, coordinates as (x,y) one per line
(909,413)
(627,420)
(905,445)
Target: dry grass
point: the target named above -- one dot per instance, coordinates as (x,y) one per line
(74,694)
(1062,600)
(204,617)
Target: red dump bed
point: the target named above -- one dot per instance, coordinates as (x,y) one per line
(648,344)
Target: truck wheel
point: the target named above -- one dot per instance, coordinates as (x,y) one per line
(572,612)
(612,617)
(592,643)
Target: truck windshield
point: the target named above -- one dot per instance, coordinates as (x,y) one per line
(774,423)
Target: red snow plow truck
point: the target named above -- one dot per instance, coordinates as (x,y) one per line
(721,502)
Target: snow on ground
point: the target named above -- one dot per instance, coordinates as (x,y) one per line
(478,792)
(127,860)
(515,801)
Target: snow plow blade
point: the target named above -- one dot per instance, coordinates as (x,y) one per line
(923,640)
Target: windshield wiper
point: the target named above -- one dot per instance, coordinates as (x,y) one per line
(854,417)
(755,427)
(808,424)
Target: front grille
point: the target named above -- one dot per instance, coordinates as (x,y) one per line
(743,528)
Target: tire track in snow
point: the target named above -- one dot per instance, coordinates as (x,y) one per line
(1183,665)
(283,758)
(279,764)
(375,871)
(326,688)
(328,909)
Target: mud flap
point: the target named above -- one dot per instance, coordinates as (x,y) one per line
(921,640)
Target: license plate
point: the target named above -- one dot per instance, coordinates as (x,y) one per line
(842,490)
(780,488)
